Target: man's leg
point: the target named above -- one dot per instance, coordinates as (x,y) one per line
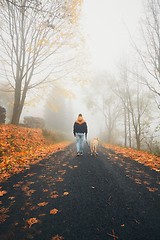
(78,144)
(81,144)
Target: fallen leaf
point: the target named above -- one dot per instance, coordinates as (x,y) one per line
(11,198)
(33,208)
(45,190)
(42,204)
(152,189)
(59,179)
(32,221)
(2,193)
(54,211)
(66,193)
(3,217)
(54,195)
(57,237)
(30,192)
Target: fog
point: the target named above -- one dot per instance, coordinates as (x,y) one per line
(104,26)
(93,81)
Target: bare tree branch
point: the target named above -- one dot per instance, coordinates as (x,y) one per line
(32,32)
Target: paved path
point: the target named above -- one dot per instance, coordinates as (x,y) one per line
(107,197)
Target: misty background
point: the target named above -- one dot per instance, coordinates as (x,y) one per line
(105,65)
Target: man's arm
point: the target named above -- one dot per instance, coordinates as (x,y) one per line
(86,130)
(74,131)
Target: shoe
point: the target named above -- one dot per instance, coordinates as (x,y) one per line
(78,154)
(81,154)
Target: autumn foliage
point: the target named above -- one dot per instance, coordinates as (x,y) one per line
(20,147)
(142,157)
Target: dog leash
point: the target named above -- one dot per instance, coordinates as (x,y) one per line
(87,144)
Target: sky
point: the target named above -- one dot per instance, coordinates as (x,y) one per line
(105,24)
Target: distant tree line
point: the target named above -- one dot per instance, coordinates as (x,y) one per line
(34,122)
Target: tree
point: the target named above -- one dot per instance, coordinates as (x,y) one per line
(111,111)
(32,32)
(121,90)
(101,99)
(150,50)
(136,102)
(32,3)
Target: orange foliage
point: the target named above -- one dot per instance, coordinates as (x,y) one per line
(2,193)
(143,157)
(57,237)
(42,204)
(54,211)
(20,147)
(32,221)
(65,193)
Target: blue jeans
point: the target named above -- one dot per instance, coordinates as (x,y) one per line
(80,142)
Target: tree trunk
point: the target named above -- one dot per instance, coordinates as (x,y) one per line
(138,142)
(18,104)
(129,130)
(125,127)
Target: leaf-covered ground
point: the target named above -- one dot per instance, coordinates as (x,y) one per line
(142,157)
(64,197)
(55,195)
(21,147)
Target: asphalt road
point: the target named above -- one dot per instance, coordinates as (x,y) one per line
(107,197)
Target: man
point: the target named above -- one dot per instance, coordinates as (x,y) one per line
(80,132)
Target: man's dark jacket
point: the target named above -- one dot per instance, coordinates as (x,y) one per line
(80,127)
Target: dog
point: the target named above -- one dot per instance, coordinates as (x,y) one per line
(94,146)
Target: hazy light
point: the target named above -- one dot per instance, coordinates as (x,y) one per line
(105,24)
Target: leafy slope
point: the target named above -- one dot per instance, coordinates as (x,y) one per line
(142,157)
(20,147)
